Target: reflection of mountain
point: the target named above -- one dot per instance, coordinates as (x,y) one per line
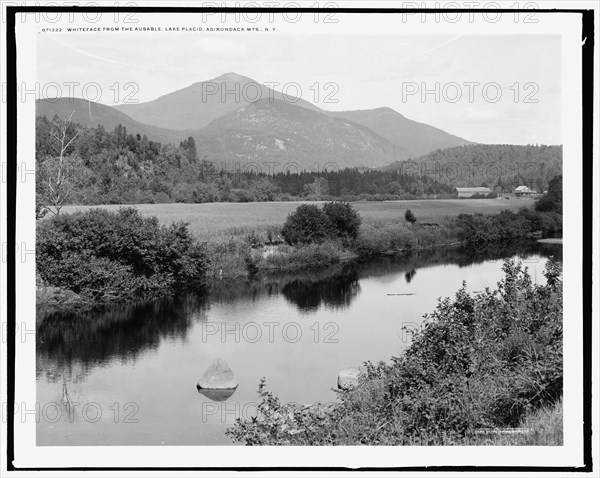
(121,332)
(335,292)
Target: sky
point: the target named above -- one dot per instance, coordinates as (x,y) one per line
(488,89)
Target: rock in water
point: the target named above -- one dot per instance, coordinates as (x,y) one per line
(348,378)
(218,377)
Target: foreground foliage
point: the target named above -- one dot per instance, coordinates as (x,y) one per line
(478,362)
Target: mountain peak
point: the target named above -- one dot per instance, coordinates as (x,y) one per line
(386,109)
(231,76)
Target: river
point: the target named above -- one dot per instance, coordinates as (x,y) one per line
(127,376)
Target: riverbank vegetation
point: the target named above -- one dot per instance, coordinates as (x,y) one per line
(97,257)
(105,257)
(479,364)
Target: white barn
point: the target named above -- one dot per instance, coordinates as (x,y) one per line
(470,192)
(524,191)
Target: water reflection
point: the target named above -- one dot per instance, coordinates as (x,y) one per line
(122,333)
(217,395)
(333,291)
(409,275)
(149,356)
(69,344)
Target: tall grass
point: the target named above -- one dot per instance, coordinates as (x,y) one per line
(540,427)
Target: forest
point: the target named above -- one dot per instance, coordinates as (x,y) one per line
(77,164)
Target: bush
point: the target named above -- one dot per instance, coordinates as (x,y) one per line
(345,221)
(477,229)
(478,362)
(113,256)
(307,224)
(308,256)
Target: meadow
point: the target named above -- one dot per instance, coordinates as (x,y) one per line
(220,221)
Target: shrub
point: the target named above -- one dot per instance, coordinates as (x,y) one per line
(344,220)
(113,256)
(307,224)
(374,241)
(478,362)
(478,229)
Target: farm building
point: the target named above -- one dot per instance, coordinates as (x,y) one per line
(470,192)
(524,191)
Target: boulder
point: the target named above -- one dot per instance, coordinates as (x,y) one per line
(218,377)
(348,378)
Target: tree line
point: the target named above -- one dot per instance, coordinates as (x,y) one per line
(90,165)
(501,167)
(77,164)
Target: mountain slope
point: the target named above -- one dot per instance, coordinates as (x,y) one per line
(200,103)
(197,105)
(504,165)
(94,114)
(417,137)
(277,131)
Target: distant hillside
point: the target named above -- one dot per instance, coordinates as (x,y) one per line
(503,166)
(417,137)
(94,114)
(202,102)
(278,131)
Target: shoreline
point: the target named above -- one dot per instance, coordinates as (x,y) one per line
(67,300)
(551,240)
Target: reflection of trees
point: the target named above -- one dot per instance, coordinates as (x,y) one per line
(80,340)
(69,344)
(336,291)
(554,250)
(461,256)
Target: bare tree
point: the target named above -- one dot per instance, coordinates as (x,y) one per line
(59,173)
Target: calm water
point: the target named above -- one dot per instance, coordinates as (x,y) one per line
(128,376)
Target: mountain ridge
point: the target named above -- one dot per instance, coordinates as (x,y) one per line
(275,127)
(417,137)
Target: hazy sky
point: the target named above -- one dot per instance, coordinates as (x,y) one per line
(464,74)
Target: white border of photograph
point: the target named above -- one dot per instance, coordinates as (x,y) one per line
(27,454)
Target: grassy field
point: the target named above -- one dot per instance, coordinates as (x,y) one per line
(215,221)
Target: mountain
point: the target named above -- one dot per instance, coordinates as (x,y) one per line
(278,131)
(199,104)
(94,114)
(419,138)
(231,126)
